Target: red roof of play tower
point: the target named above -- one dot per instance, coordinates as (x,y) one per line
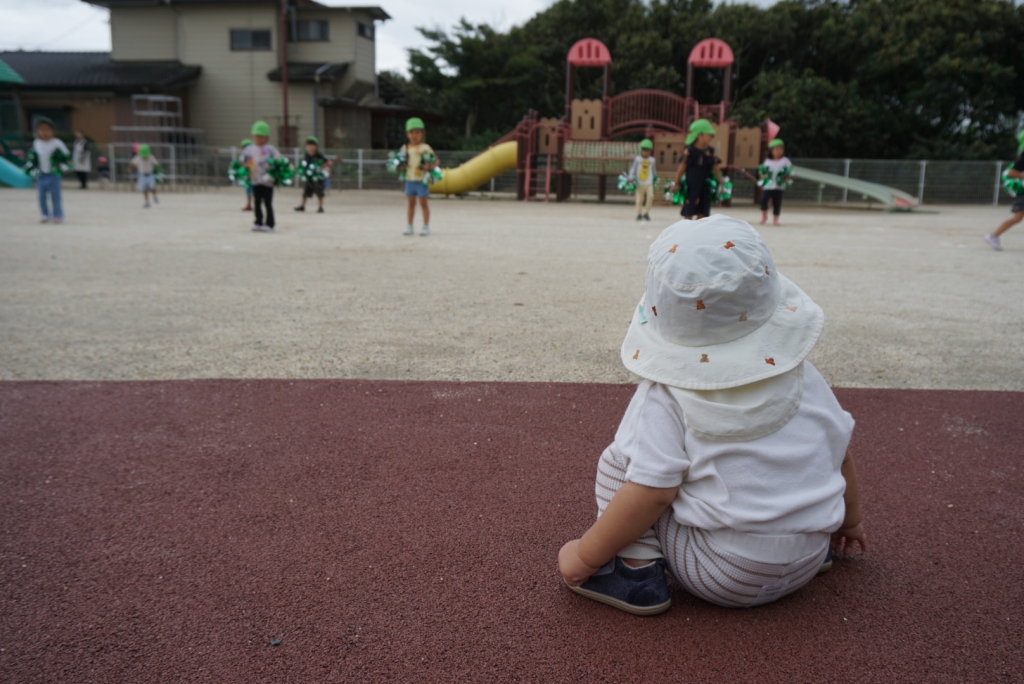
(590,52)
(711,53)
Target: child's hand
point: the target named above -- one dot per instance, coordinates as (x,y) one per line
(843,539)
(574,571)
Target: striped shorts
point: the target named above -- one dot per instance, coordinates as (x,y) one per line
(717,576)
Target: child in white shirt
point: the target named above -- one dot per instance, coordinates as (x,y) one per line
(49,178)
(730,466)
(643,172)
(774,174)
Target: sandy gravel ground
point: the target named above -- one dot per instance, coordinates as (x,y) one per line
(501,291)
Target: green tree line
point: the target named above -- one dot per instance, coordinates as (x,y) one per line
(888,79)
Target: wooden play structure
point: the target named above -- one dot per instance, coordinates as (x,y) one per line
(586,141)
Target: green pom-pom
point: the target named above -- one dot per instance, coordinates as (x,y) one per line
(32,164)
(60,163)
(158,174)
(1014,186)
(312,171)
(784,178)
(626,184)
(279,171)
(762,175)
(238,173)
(397,162)
(676,193)
(725,192)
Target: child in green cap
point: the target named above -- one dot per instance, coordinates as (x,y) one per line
(420,160)
(1015,171)
(773,173)
(314,159)
(642,171)
(257,157)
(698,165)
(145,165)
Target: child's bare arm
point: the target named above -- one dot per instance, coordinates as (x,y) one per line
(853,524)
(682,167)
(632,511)
(1014,173)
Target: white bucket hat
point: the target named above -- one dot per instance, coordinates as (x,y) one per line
(716,313)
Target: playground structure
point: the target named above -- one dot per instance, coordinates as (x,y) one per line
(547,152)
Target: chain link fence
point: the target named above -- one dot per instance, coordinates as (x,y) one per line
(191,168)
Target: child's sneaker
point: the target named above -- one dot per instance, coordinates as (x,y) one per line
(44,219)
(826,564)
(409,230)
(258,228)
(640,591)
(647,217)
(300,208)
(639,217)
(58,219)
(146,205)
(156,200)
(425,231)
(320,210)
(994,243)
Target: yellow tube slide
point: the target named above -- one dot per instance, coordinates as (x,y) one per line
(478,170)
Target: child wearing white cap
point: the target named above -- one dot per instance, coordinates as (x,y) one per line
(730,466)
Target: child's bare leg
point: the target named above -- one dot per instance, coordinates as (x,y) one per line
(426,211)
(410,213)
(1009,223)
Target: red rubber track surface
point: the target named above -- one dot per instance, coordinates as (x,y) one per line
(407,532)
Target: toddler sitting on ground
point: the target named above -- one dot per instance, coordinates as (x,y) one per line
(730,465)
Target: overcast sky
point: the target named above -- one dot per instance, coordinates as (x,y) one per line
(73,25)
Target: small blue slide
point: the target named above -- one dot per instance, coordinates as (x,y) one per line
(11,174)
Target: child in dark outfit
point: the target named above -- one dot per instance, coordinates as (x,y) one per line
(314,156)
(1016,171)
(699,163)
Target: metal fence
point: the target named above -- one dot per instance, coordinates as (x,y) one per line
(191,168)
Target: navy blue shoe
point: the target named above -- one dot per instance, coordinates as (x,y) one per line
(640,591)
(827,564)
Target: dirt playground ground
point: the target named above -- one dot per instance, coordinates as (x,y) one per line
(337,454)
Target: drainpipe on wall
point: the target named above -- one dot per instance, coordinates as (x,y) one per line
(286,141)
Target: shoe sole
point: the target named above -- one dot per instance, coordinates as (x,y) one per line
(622,605)
(825,567)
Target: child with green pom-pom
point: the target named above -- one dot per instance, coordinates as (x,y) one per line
(643,172)
(700,164)
(313,172)
(48,150)
(774,176)
(257,157)
(420,160)
(1014,172)
(146,165)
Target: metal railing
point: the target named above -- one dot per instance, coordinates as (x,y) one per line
(195,168)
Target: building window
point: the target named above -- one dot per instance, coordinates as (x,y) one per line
(249,39)
(309,30)
(365,30)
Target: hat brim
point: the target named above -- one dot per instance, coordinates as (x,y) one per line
(776,347)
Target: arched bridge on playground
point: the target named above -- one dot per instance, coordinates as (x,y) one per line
(637,110)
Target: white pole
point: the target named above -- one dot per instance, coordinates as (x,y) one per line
(359,156)
(174,168)
(920,183)
(846,174)
(492,185)
(999,175)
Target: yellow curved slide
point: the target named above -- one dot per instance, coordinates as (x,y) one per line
(478,170)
